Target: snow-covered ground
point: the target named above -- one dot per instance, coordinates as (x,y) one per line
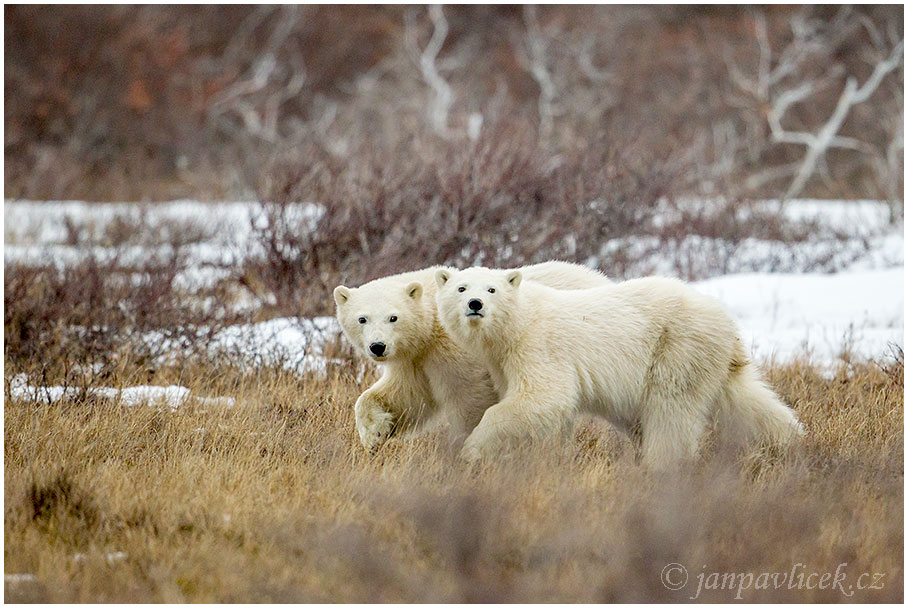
(783,316)
(295,343)
(43,232)
(844,235)
(171,396)
(783,310)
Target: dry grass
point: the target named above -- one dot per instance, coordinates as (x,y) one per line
(274,500)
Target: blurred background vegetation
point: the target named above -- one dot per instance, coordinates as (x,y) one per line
(205,102)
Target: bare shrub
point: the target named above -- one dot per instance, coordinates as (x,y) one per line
(497,201)
(616,200)
(81,323)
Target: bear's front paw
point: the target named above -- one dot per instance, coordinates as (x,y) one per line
(474,449)
(374,426)
(470,454)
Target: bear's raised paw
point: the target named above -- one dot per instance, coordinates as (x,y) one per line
(374,425)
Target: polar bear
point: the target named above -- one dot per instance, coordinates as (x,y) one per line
(393,321)
(654,357)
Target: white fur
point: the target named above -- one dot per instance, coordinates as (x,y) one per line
(655,358)
(423,369)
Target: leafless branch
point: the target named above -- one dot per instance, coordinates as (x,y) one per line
(263,124)
(536,49)
(826,137)
(440,107)
(585,62)
(810,40)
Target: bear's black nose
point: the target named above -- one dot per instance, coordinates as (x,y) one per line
(377,348)
(475,304)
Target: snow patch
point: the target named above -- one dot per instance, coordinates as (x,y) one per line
(172,396)
(783,316)
(295,343)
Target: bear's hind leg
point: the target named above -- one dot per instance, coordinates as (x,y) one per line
(681,386)
(671,430)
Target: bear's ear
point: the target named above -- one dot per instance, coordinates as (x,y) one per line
(513,278)
(414,290)
(342,294)
(442,277)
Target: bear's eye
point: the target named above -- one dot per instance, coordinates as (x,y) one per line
(393,318)
(491,290)
(362,320)
(461,289)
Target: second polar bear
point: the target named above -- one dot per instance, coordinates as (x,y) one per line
(393,321)
(654,357)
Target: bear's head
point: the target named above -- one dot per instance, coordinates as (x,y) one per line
(384,320)
(475,301)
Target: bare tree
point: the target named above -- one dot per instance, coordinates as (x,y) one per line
(827,136)
(260,115)
(810,41)
(535,61)
(440,107)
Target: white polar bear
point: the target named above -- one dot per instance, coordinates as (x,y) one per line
(393,321)
(655,358)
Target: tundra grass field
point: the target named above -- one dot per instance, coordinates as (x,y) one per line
(273,499)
